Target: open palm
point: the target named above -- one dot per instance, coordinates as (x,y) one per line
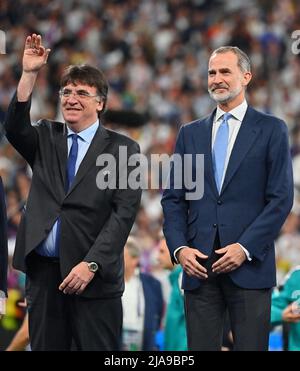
(35,54)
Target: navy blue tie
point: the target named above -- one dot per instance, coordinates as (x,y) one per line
(71,166)
(71,171)
(220,150)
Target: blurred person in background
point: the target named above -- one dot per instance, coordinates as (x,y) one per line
(286,307)
(21,339)
(175,326)
(142,303)
(224,239)
(71,236)
(3,251)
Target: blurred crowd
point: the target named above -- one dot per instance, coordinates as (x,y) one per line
(154,54)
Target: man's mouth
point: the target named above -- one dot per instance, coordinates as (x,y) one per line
(219,88)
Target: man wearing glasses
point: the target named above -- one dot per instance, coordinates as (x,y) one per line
(71,237)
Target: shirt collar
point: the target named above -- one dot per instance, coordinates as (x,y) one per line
(87,134)
(238,112)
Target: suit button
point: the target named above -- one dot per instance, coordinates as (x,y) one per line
(215,225)
(219,202)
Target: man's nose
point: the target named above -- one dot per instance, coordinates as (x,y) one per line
(72,99)
(217,78)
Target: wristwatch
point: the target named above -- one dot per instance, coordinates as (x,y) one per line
(93,267)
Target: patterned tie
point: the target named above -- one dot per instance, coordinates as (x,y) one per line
(71,166)
(220,150)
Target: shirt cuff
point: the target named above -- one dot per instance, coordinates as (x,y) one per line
(176,251)
(246,252)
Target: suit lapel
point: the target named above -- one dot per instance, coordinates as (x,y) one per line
(202,140)
(61,148)
(98,145)
(247,135)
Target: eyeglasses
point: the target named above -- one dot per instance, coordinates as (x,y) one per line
(79,94)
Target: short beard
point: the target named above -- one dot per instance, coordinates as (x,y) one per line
(225,97)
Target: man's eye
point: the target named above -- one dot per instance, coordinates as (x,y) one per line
(83,94)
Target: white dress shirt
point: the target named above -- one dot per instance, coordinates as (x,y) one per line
(133,302)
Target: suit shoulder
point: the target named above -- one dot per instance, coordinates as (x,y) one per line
(121,138)
(193,124)
(150,279)
(49,125)
(270,120)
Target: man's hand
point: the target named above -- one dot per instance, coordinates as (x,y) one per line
(291,313)
(187,257)
(35,54)
(233,257)
(77,280)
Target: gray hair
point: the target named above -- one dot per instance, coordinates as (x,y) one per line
(133,247)
(243,59)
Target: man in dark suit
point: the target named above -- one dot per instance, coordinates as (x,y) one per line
(3,251)
(71,237)
(224,240)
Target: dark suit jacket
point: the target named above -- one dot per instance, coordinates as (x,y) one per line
(94,223)
(255,199)
(3,241)
(153,310)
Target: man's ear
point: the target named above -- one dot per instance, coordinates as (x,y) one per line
(247,78)
(100,106)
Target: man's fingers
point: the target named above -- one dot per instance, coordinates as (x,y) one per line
(200,255)
(66,281)
(33,41)
(28,42)
(194,268)
(38,41)
(223,250)
(196,273)
(220,263)
(81,289)
(73,287)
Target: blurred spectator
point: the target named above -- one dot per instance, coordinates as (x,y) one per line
(142,303)
(21,339)
(286,308)
(175,326)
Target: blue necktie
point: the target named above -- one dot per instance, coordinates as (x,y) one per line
(71,167)
(72,161)
(220,150)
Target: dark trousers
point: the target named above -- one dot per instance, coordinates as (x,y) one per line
(206,306)
(57,320)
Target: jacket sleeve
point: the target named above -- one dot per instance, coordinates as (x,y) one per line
(19,131)
(174,204)
(279,195)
